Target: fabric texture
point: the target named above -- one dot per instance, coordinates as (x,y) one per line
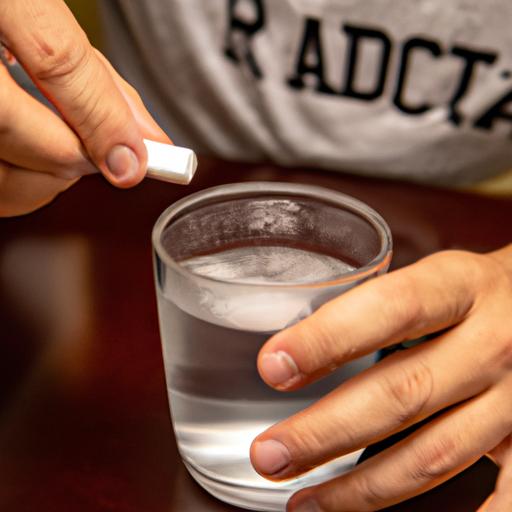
(409,89)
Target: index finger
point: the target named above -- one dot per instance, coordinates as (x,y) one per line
(54,50)
(430,295)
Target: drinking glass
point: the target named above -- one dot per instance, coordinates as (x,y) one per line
(233,265)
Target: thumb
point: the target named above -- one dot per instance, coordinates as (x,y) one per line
(150,129)
(55,52)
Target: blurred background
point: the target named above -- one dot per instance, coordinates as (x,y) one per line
(88,15)
(86,12)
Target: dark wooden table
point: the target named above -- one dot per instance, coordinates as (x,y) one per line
(84,422)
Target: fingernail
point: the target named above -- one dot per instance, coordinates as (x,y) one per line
(278,368)
(270,457)
(307,506)
(122,162)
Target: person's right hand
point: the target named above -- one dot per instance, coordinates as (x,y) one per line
(102,124)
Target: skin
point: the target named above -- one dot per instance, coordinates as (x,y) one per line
(98,110)
(467,369)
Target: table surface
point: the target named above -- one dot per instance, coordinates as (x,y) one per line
(84,421)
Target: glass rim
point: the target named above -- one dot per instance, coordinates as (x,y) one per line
(260,188)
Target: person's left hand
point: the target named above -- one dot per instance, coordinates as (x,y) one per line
(465,372)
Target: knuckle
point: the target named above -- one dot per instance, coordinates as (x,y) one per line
(498,277)
(400,294)
(96,115)
(478,273)
(463,264)
(434,460)
(59,61)
(94,118)
(370,492)
(449,257)
(410,388)
(504,357)
(457,276)
(314,436)
(303,442)
(320,346)
(313,440)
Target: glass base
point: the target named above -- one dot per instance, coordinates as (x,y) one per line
(270,496)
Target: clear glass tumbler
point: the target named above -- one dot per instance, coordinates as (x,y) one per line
(234,264)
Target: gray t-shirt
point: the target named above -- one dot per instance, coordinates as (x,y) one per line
(412,89)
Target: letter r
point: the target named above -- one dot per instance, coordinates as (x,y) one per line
(239,49)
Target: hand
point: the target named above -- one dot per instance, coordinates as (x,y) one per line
(103,120)
(465,372)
